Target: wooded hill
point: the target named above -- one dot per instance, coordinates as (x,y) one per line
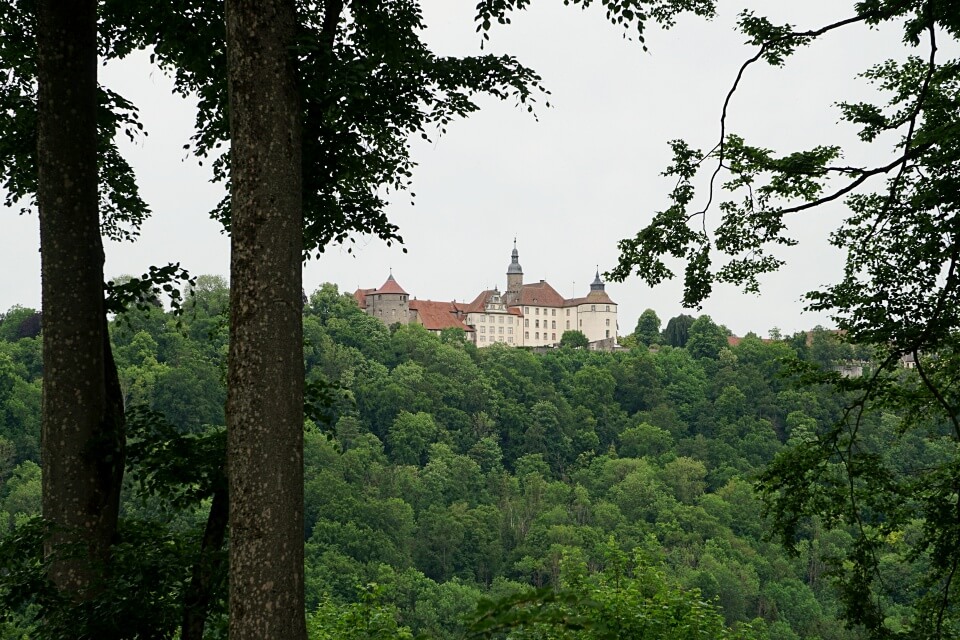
(439,474)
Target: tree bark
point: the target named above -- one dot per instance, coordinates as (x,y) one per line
(207,571)
(265,370)
(82,420)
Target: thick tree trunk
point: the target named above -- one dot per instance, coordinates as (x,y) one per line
(82,439)
(265,376)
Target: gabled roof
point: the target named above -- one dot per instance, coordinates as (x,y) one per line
(360,295)
(539,294)
(479,304)
(435,316)
(391,286)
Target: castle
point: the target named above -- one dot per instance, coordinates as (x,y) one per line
(529,315)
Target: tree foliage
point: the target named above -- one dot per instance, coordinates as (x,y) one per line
(445,474)
(897,293)
(677,331)
(574,339)
(647,331)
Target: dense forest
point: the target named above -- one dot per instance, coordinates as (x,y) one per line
(581,490)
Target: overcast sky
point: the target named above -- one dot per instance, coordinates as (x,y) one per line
(568,186)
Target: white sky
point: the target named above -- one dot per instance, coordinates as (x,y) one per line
(568,186)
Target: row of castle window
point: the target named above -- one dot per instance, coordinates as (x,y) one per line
(536,335)
(483,329)
(553,323)
(495,339)
(553,312)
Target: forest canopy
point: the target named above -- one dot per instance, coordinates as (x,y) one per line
(439,475)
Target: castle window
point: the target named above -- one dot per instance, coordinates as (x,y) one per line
(526,322)
(510,339)
(593,307)
(510,330)
(608,307)
(568,311)
(526,309)
(553,324)
(483,338)
(536,310)
(608,333)
(608,322)
(500,330)
(483,329)
(553,312)
(526,334)
(538,335)
(568,324)
(553,336)
(500,320)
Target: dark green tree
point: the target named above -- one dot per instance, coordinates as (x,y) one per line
(705,338)
(19,322)
(677,330)
(574,339)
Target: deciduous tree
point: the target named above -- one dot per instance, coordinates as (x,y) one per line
(899,291)
(82,406)
(574,339)
(648,328)
(265,378)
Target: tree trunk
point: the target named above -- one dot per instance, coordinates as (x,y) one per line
(207,570)
(265,374)
(82,433)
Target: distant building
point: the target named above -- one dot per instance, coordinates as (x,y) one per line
(532,315)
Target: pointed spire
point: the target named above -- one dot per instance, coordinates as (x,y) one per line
(597,284)
(514,260)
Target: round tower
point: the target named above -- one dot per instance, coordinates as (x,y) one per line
(390,303)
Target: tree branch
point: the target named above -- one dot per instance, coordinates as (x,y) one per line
(736,83)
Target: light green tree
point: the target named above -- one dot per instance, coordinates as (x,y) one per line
(647,331)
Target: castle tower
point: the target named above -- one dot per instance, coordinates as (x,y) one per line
(514,276)
(597,284)
(390,303)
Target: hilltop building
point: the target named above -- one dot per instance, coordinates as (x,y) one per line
(532,315)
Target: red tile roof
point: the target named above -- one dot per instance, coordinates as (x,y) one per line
(391,286)
(540,294)
(360,295)
(479,304)
(435,316)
